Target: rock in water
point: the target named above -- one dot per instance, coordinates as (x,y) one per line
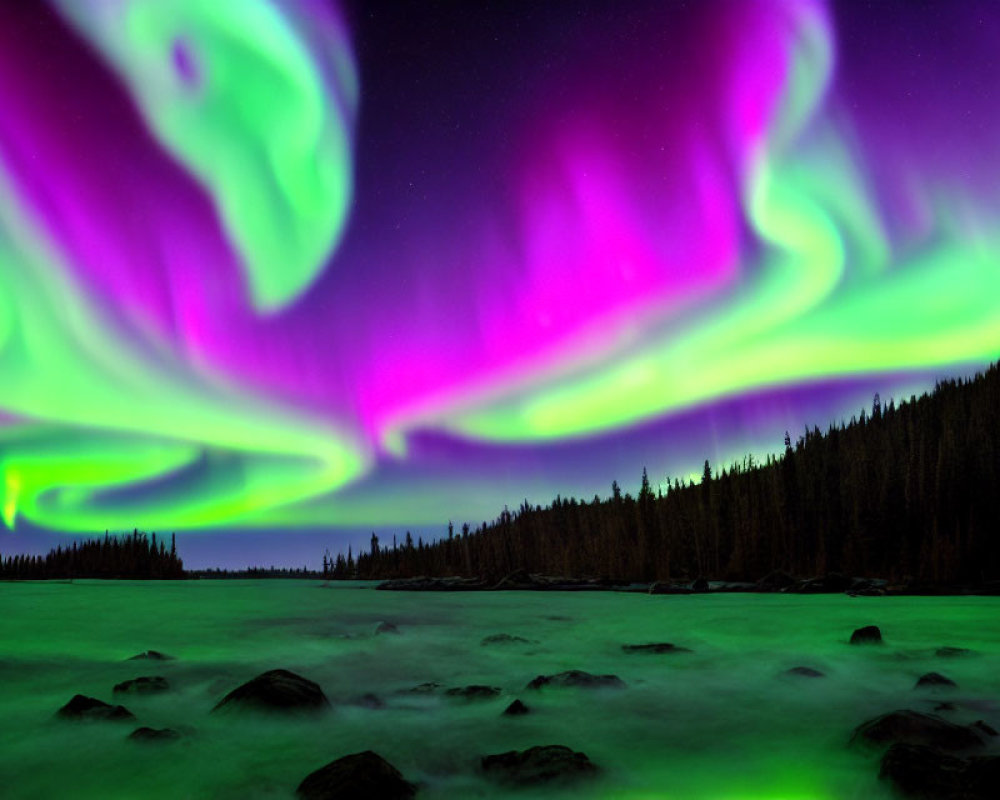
(538,765)
(145,685)
(952,652)
(804,672)
(474,692)
(386,627)
(932,680)
(361,776)
(90,708)
(923,772)
(912,727)
(505,638)
(516,709)
(578,678)
(152,655)
(154,735)
(658,648)
(276,690)
(870,634)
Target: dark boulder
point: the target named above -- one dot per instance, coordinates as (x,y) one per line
(804,672)
(869,634)
(775,581)
(922,772)
(516,709)
(658,648)
(151,655)
(538,765)
(386,627)
(90,708)
(913,727)
(518,579)
(474,692)
(952,652)
(145,685)
(276,690)
(361,776)
(504,638)
(154,735)
(578,678)
(934,680)
(699,585)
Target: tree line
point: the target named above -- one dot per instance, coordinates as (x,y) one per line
(906,491)
(129,556)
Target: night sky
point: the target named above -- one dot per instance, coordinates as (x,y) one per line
(276,274)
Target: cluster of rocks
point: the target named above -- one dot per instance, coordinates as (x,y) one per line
(924,755)
(90,709)
(365,774)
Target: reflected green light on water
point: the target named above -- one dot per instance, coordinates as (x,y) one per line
(721,723)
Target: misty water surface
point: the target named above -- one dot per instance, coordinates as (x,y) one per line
(720,722)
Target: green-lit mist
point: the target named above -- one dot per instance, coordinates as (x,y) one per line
(719,723)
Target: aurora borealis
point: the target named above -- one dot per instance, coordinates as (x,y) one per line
(289,264)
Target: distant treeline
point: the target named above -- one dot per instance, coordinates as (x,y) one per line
(255,573)
(903,491)
(130,556)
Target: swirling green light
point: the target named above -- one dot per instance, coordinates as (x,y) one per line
(261,127)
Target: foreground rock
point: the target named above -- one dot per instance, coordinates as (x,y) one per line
(386,627)
(151,735)
(361,776)
(869,634)
(578,678)
(276,690)
(151,655)
(915,728)
(90,708)
(935,680)
(152,684)
(474,692)
(659,648)
(516,709)
(923,772)
(538,765)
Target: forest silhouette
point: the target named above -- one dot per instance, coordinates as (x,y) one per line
(906,492)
